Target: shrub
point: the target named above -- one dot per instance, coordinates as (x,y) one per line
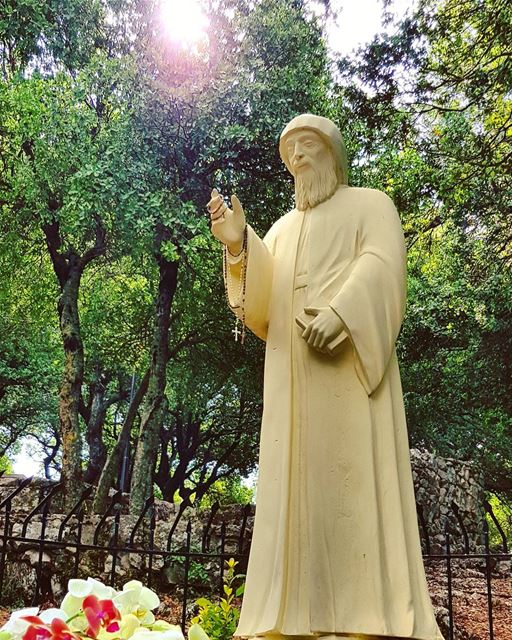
(219,619)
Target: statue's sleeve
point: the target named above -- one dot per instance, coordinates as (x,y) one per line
(249,293)
(371,303)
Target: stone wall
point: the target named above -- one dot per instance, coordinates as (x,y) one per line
(439,483)
(114,556)
(449,493)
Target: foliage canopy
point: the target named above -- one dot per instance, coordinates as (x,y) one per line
(115,340)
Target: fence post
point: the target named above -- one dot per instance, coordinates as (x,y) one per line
(113,544)
(80,517)
(449,578)
(222,555)
(205,544)
(424,529)
(488,578)
(3,555)
(152,527)
(245,514)
(492,515)
(187,568)
(39,567)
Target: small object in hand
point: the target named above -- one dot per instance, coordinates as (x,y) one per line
(334,346)
(222,207)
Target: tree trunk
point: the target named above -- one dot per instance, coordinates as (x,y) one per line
(94,433)
(50,458)
(115,459)
(185,447)
(152,412)
(163,474)
(69,267)
(71,385)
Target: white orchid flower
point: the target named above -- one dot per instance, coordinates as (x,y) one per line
(173,632)
(78,590)
(82,588)
(71,605)
(196,632)
(138,600)
(128,625)
(162,625)
(15,626)
(50,614)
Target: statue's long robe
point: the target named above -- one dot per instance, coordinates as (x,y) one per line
(335,547)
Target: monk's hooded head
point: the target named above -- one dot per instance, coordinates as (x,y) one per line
(313,151)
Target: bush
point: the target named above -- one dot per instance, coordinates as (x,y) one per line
(219,619)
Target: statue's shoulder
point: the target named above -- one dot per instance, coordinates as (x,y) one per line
(369,201)
(366,194)
(285,221)
(280,225)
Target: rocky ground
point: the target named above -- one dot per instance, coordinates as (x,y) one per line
(470,603)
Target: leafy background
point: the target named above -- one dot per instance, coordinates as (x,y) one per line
(115,339)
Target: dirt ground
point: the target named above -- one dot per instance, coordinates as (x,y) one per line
(470,603)
(470,610)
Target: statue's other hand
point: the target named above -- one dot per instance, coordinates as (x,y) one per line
(227,224)
(324,327)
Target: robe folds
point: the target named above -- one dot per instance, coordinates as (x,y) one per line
(335,547)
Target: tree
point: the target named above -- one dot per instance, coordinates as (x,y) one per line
(112,138)
(67,141)
(29,346)
(431,107)
(201,120)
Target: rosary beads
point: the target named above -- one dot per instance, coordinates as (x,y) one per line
(242,286)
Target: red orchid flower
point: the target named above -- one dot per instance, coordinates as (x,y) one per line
(56,630)
(100,613)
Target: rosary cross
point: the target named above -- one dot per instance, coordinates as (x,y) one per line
(236,331)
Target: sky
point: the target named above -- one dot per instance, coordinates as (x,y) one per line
(356,23)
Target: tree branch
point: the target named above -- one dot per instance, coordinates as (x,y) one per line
(53,239)
(99,245)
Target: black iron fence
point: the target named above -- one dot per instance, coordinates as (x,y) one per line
(492,563)
(109,539)
(183,555)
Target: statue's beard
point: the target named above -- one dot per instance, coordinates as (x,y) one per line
(315,186)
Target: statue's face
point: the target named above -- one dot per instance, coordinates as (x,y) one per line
(306,150)
(313,166)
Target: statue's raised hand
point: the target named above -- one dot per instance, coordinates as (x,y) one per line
(228,225)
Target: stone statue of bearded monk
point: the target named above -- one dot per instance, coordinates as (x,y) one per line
(335,548)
